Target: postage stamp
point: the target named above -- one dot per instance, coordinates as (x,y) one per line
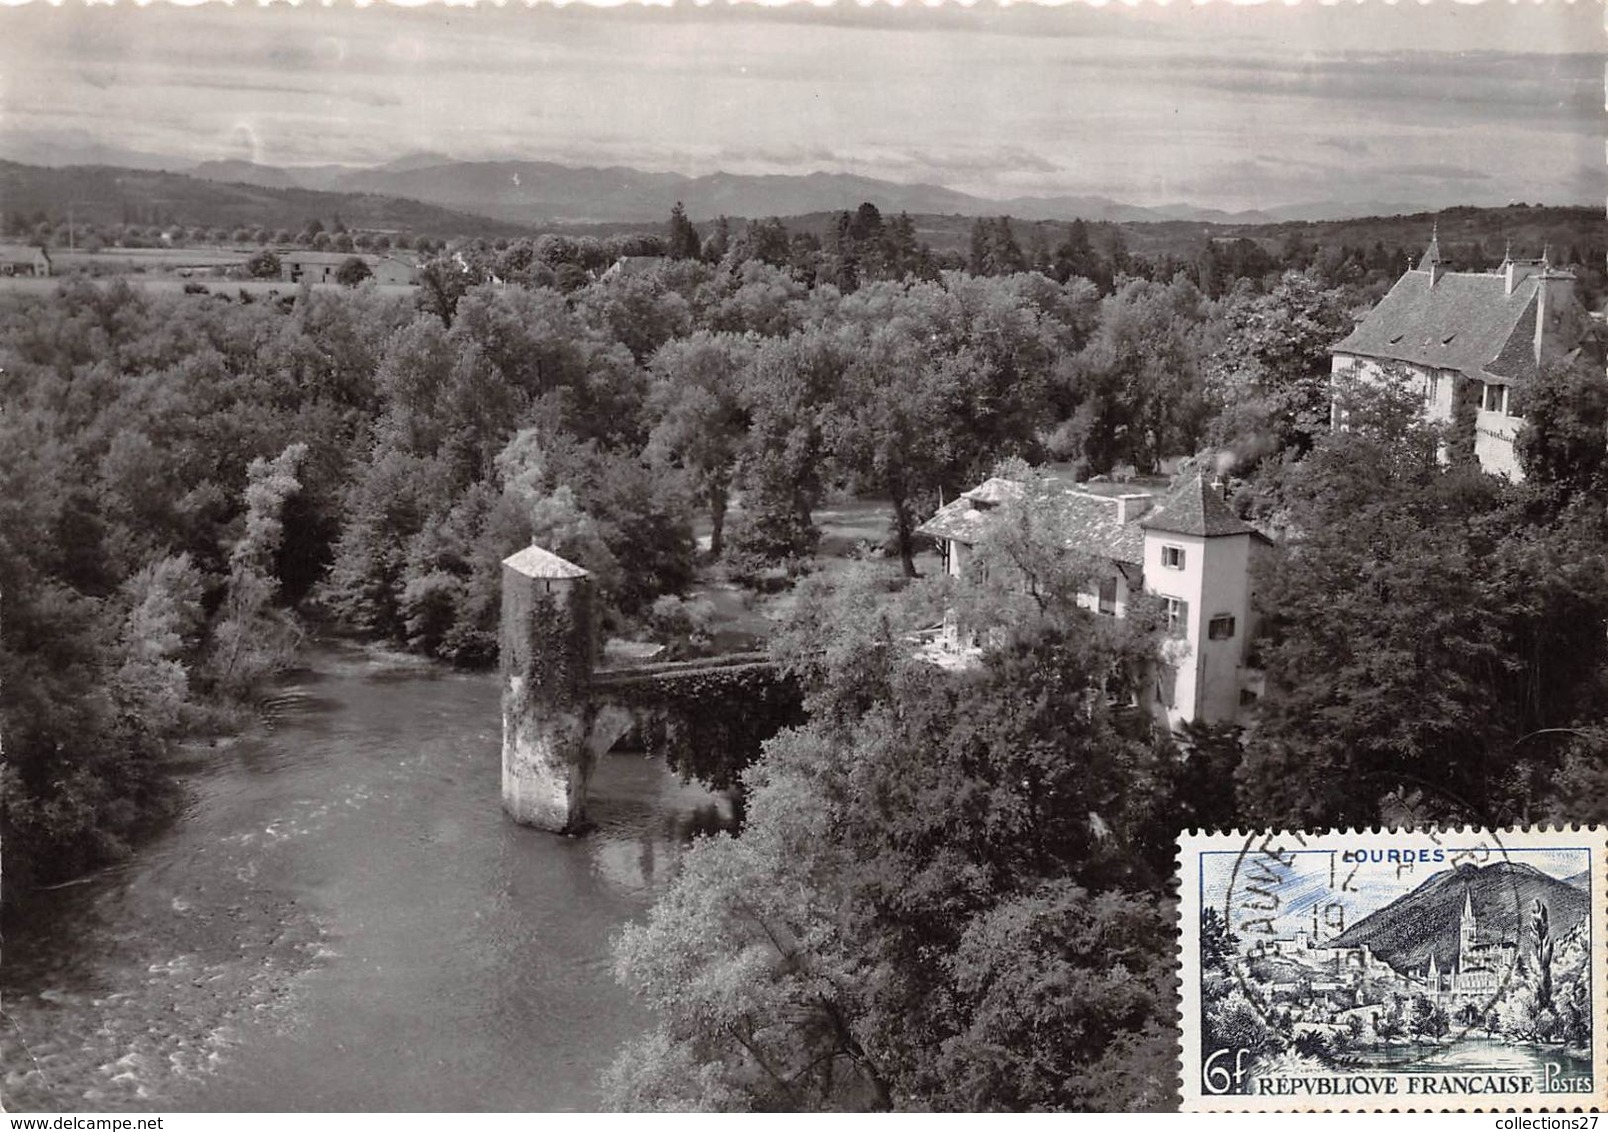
(1424,970)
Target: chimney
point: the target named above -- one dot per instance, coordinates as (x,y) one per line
(1132,505)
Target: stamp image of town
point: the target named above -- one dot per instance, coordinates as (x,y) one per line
(1381,972)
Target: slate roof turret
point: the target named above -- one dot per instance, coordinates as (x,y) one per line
(1194,507)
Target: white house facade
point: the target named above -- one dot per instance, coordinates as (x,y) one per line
(1184,546)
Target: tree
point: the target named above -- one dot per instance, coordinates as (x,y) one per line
(1542,942)
(1269,381)
(683,242)
(994,250)
(702,424)
(442,283)
(352,271)
(719,241)
(894,422)
(1428,1019)
(788,392)
(921,910)
(1428,622)
(1564,439)
(251,642)
(264,265)
(1022,574)
(1134,391)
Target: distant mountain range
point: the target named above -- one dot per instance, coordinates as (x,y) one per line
(105,194)
(527,193)
(1404,932)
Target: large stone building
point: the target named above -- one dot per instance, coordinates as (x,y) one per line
(1473,335)
(1185,547)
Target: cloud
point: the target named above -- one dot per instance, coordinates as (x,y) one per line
(1223,107)
(371,97)
(1354,146)
(1436,172)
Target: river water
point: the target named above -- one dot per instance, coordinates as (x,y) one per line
(343,920)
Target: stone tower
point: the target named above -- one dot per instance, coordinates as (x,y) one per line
(1467,928)
(548,650)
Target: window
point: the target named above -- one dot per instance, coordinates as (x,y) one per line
(1177,610)
(1247,697)
(1172,557)
(1108,596)
(1221,627)
(1495,399)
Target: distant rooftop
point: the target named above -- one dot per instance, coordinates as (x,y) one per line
(1091,521)
(1472,322)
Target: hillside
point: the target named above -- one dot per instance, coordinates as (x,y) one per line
(537,192)
(103,194)
(1471,238)
(1405,931)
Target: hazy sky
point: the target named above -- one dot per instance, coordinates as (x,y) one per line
(1213,104)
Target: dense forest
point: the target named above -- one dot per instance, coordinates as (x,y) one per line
(950,891)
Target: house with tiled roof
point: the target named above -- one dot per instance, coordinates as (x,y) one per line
(1183,545)
(23,260)
(634,266)
(1474,336)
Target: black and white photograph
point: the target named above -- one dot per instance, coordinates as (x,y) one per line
(702,557)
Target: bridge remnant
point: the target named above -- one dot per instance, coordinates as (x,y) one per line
(548,650)
(561,714)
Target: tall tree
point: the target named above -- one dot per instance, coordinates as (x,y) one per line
(1269,380)
(683,241)
(701,422)
(1564,440)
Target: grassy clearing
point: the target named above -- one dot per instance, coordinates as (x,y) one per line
(852,531)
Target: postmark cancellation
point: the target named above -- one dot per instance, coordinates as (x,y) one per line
(1423,970)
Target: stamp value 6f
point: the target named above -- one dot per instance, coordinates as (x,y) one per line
(1422,969)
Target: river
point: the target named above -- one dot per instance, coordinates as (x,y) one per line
(342,919)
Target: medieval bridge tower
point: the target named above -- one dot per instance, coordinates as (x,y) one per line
(561,712)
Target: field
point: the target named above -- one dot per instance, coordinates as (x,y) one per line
(256,288)
(118,260)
